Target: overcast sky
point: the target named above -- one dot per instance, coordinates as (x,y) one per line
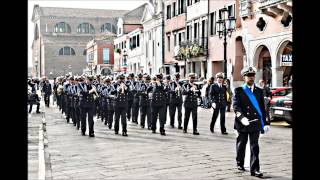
(94,4)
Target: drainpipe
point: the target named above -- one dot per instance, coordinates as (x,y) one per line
(207,54)
(163,48)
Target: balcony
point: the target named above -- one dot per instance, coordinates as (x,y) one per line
(275,8)
(245,8)
(192,48)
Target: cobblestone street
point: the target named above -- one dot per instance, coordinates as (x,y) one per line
(143,155)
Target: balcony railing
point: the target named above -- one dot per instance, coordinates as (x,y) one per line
(192,48)
(269,3)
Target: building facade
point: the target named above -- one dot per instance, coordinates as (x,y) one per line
(265,35)
(153,41)
(175,20)
(61,36)
(129,42)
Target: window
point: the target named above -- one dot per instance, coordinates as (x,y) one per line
(106,27)
(67,51)
(180,38)
(175,40)
(138,40)
(174,9)
(119,30)
(168,37)
(168,11)
(85,52)
(195,30)
(189,2)
(121,45)
(134,41)
(153,48)
(105,55)
(114,29)
(85,28)
(130,45)
(62,27)
(213,23)
(231,11)
(188,32)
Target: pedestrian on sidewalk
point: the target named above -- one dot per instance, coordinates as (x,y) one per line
(47,90)
(250,120)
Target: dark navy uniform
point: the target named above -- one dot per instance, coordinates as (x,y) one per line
(218,95)
(87,105)
(107,103)
(190,105)
(136,98)
(244,110)
(167,90)
(131,91)
(144,103)
(120,107)
(176,102)
(67,100)
(76,108)
(158,105)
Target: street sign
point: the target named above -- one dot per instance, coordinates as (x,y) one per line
(286,60)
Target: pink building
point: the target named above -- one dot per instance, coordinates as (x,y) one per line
(175,19)
(264,39)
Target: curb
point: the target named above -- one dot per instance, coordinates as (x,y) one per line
(44,155)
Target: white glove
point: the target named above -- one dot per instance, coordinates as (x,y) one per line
(245,121)
(266,128)
(213,105)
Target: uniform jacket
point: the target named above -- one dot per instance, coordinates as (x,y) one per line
(144,96)
(158,94)
(218,95)
(86,99)
(191,99)
(243,108)
(121,99)
(175,96)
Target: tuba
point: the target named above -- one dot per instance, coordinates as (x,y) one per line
(60,89)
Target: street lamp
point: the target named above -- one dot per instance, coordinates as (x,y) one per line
(225,27)
(36,65)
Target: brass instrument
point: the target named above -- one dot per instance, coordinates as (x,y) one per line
(178,88)
(94,90)
(60,89)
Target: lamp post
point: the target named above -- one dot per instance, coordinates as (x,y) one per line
(36,65)
(225,27)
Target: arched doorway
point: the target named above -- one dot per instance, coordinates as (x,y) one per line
(284,61)
(263,64)
(106,71)
(240,59)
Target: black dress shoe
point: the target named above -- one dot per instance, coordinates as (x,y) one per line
(91,135)
(38,112)
(184,131)
(83,133)
(212,131)
(142,126)
(256,174)
(196,133)
(153,131)
(241,168)
(172,126)
(180,127)
(116,132)
(124,134)
(149,128)
(110,127)
(163,133)
(225,133)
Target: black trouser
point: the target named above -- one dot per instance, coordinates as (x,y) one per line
(38,107)
(228,106)
(135,110)
(47,99)
(76,116)
(69,111)
(222,110)
(120,111)
(58,101)
(145,111)
(167,107)
(84,111)
(63,104)
(109,114)
(130,102)
(242,140)
(172,110)
(158,110)
(188,110)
